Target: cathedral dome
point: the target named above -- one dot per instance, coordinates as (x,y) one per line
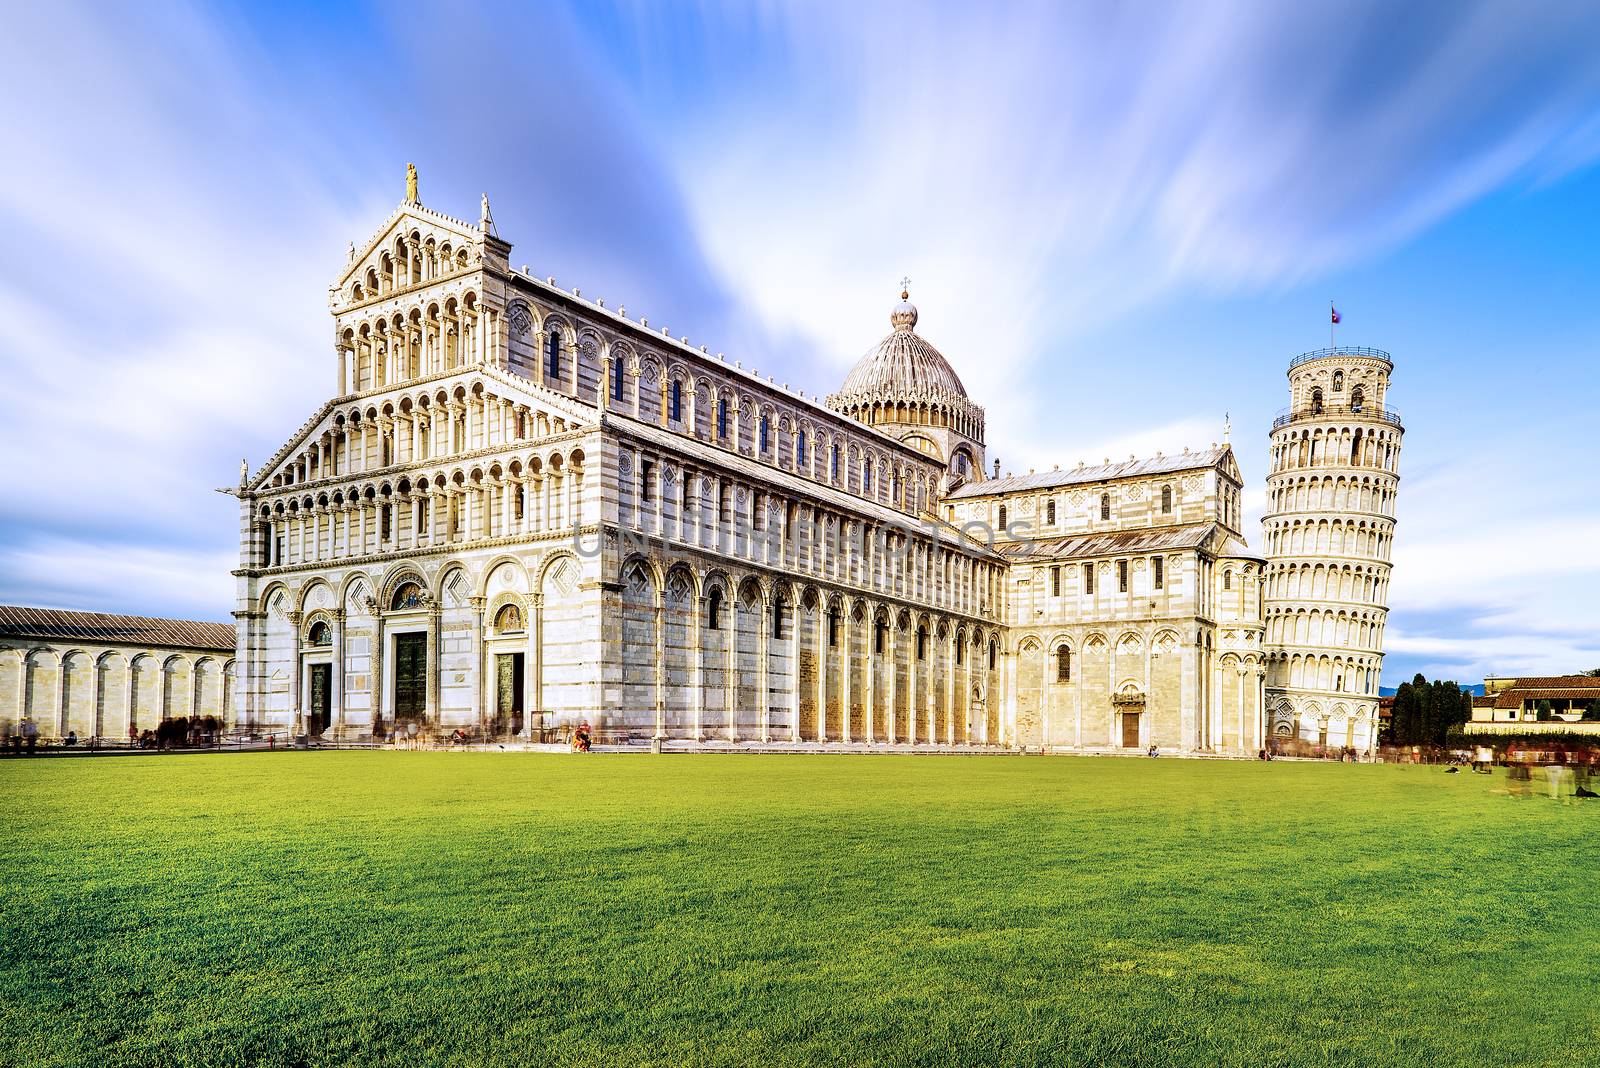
(902,364)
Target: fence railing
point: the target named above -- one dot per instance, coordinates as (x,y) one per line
(1381,412)
(1342,350)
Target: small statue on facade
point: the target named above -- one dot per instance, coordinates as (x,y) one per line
(411,184)
(244,473)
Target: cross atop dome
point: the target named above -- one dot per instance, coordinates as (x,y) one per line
(904,315)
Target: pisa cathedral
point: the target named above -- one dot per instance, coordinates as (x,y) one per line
(520,509)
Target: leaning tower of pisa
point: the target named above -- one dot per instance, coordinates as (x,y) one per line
(1329,530)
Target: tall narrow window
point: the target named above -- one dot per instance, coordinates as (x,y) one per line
(777,619)
(677,402)
(714,610)
(1122,576)
(1338,381)
(833,466)
(922,643)
(1050,511)
(833,628)
(646,476)
(1105,506)
(800,449)
(866,476)
(1227,580)
(1063,664)
(1055,581)
(765,429)
(1158,572)
(722,417)
(994,655)
(1357,399)
(1316,402)
(1002,519)
(616,380)
(1166,500)
(1088,578)
(552,354)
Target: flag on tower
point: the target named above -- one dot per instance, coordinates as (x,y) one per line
(1334,312)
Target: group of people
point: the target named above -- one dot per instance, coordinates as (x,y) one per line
(1568,775)
(23,736)
(184,732)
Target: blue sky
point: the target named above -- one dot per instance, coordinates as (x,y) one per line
(1122,220)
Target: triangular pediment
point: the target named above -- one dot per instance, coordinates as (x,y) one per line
(410,221)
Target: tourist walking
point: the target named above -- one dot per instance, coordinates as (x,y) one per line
(30,734)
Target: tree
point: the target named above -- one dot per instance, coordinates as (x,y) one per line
(1424,712)
(1593,673)
(1542,710)
(1592,713)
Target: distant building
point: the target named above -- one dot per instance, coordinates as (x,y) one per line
(1517,700)
(98,675)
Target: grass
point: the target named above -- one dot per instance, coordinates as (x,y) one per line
(466,909)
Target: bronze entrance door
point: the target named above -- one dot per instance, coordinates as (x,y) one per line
(321,711)
(1130,730)
(410,677)
(508,708)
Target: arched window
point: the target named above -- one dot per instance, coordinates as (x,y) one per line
(1338,381)
(833,467)
(866,475)
(722,417)
(319,635)
(508,620)
(994,655)
(1358,399)
(765,431)
(552,353)
(1050,511)
(616,380)
(1002,519)
(961,464)
(800,449)
(1316,401)
(677,401)
(1063,664)
(1105,506)
(409,595)
(1227,580)
(714,610)
(1166,500)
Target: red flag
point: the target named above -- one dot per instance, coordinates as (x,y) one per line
(1334,312)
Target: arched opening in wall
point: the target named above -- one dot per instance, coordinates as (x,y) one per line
(1105,506)
(1338,381)
(320,636)
(1358,399)
(407,596)
(509,620)
(1166,500)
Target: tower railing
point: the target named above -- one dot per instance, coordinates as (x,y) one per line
(1342,350)
(1380,412)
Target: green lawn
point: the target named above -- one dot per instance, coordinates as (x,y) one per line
(446,908)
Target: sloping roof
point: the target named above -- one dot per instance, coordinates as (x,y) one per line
(1110,543)
(55,624)
(1515,697)
(1155,465)
(1558,682)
